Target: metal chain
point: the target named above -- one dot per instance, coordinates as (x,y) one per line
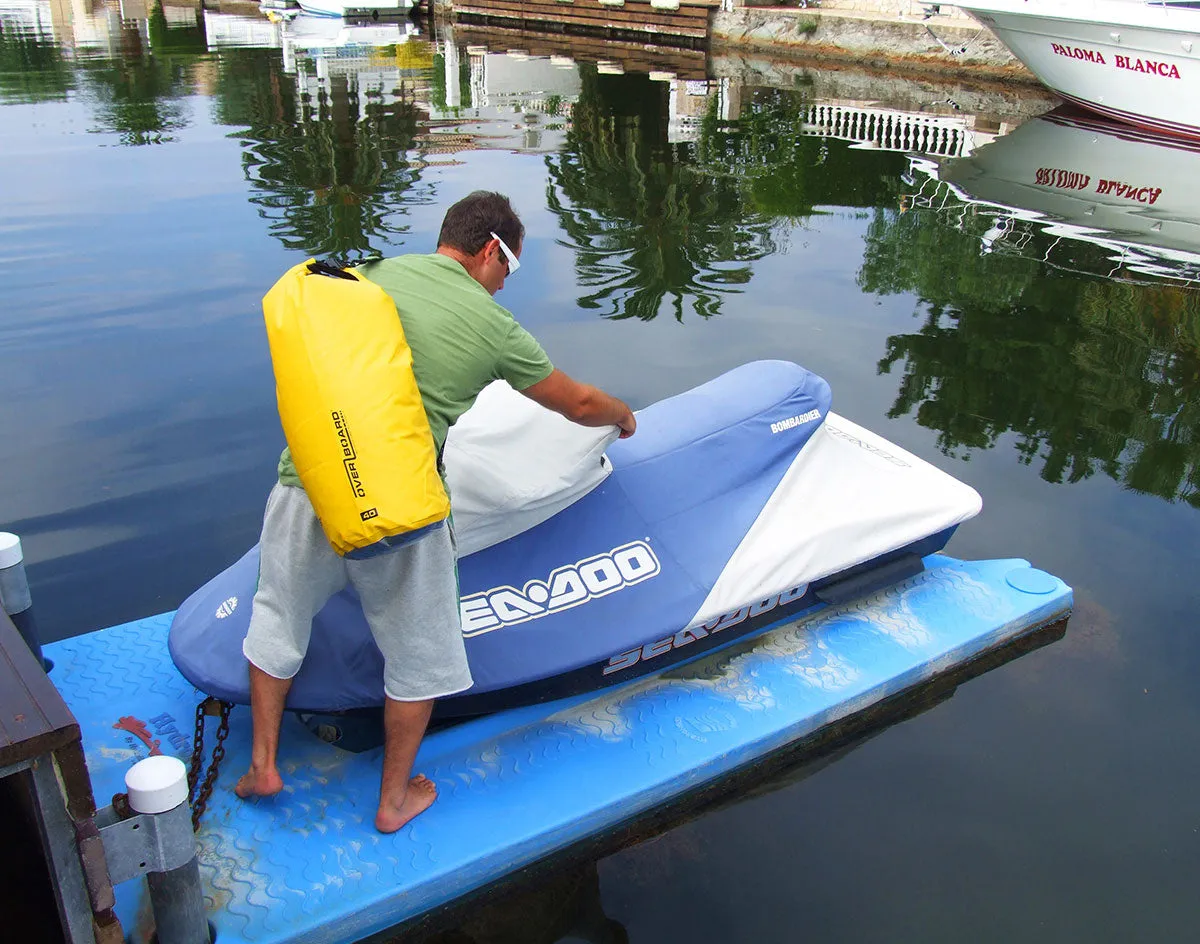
(197,749)
(218,755)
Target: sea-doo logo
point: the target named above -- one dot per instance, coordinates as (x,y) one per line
(875,450)
(793,421)
(651,650)
(227,608)
(566,587)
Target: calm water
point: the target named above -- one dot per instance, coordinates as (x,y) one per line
(162,170)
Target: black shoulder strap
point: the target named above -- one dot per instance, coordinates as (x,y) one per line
(324,268)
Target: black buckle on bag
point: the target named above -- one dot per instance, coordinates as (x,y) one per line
(333,271)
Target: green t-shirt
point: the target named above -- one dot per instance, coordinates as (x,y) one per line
(461,339)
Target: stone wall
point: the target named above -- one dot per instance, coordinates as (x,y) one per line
(939,43)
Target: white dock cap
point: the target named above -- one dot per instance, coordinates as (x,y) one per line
(157,784)
(10,550)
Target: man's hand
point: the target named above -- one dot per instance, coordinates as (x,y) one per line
(582,403)
(628,424)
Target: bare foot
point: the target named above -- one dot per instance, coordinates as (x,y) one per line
(417,798)
(259,783)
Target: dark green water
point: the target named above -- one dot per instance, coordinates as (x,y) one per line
(157,178)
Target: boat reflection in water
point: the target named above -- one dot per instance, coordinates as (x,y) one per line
(323,32)
(1081,178)
(358,45)
(356,8)
(1070,317)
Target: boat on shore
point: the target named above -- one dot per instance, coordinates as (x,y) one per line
(1136,61)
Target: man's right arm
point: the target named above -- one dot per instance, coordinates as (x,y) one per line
(581,403)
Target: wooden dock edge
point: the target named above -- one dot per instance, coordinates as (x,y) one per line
(685,23)
(41,752)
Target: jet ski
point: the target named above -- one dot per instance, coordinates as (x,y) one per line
(585,561)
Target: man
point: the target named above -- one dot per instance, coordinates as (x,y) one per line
(461,340)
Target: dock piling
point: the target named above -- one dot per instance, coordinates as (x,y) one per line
(158,842)
(14,593)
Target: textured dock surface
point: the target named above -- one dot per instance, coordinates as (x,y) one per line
(308,865)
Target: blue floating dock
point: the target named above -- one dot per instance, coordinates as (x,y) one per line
(521,785)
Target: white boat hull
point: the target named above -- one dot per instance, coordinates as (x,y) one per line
(1132,61)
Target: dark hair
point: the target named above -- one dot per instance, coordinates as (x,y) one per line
(470,222)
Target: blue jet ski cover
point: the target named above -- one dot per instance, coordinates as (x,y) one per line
(630,561)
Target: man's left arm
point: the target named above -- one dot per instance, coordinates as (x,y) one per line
(582,403)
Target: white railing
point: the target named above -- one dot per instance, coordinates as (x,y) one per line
(911,132)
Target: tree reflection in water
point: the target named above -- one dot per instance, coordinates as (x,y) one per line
(32,68)
(139,94)
(331,175)
(652,229)
(659,226)
(1093,375)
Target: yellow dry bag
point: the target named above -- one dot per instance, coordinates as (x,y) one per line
(351,410)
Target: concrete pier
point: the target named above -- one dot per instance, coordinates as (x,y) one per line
(885,35)
(935,38)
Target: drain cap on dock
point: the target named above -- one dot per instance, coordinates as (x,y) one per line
(157,784)
(1031,580)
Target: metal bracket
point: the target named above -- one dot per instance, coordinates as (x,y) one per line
(145,843)
(95,868)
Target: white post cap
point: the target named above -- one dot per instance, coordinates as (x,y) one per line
(10,550)
(156,784)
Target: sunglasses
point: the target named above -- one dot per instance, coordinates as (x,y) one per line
(513,263)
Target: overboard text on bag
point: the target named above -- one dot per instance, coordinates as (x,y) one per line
(351,410)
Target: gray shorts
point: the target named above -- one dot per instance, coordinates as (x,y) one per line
(409,596)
